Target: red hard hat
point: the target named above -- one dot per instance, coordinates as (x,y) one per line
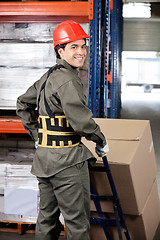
(68,31)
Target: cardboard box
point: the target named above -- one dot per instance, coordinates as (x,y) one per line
(140,227)
(132,162)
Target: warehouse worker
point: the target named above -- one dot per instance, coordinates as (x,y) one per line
(54,112)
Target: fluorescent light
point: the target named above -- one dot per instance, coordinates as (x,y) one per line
(137,10)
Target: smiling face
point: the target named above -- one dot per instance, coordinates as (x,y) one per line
(74,53)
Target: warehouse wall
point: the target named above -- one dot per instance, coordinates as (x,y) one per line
(141,34)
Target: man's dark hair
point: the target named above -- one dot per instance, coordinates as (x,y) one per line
(58,47)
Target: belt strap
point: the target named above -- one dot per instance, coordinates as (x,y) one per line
(56,133)
(50,113)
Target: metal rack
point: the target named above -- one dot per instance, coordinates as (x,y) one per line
(40,12)
(106,32)
(95,60)
(116,50)
(99,59)
(105,20)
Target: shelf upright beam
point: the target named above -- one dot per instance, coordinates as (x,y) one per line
(95,60)
(105,31)
(112,109)
(116,49)
(120,40)
(99,59)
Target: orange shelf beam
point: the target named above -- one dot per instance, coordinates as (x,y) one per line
(11,126)
(45,11)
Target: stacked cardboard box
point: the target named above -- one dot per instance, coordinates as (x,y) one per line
(133,166)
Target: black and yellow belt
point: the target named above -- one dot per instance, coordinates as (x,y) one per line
(55,132)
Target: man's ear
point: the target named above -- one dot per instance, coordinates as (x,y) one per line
(60,51)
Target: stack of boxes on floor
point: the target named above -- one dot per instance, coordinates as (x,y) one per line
(18,187)
(133,166)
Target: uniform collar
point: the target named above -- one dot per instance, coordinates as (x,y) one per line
(66,65)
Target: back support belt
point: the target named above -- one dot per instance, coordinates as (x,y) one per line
(56,133)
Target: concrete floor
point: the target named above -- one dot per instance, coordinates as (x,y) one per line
(16,236)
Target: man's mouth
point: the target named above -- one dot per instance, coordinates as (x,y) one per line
(79,58)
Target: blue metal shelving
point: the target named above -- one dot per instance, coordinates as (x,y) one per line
(104,58)
(105,30)
(103,35)
(95,60)
(116,49)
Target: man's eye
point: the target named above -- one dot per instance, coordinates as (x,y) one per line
(84,46)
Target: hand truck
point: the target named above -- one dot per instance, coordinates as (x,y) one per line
(119,221)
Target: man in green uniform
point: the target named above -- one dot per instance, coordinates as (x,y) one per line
(54,112)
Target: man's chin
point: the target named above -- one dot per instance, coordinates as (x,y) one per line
(79,65)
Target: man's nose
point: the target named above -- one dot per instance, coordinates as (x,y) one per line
(80,50)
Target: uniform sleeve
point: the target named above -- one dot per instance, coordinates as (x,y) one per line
(78,114)
(26,110)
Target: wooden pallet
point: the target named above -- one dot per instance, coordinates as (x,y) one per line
(21,227)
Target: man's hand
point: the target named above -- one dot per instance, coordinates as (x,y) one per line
(101,152)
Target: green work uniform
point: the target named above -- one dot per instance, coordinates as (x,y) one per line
(70,193)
